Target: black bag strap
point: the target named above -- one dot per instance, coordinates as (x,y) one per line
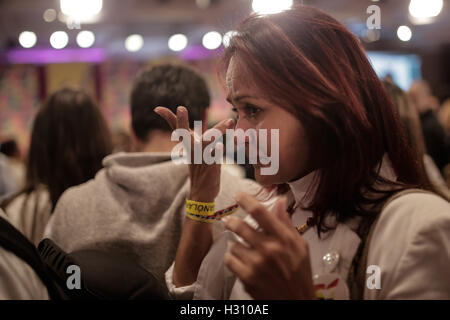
(357,273)
(14,241)
(104,274)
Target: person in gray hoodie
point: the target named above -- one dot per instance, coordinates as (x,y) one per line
(135,205)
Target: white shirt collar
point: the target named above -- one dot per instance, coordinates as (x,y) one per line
(301,187)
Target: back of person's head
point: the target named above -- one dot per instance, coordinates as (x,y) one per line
(420,87)
(422,96)
(68,142)
(409,116)
(10,148)
(121,141)
(169,86)
(444,115)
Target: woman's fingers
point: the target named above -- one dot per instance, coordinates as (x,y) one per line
(182,118)
(244,230)
(281,212)
(236,266)
(167,115)
(243,253)
(265,219)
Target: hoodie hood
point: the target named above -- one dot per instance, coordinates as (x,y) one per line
(145,181)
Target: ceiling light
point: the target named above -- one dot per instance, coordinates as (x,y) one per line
(59,39)
(81,9)
(404,33)
(49,15)
(212,40)
(134,42)
(425,8)
(271,6)
(85,39)
(178,42)
(27,39)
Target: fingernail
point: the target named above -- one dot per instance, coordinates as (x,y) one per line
(230,122)
(225,220)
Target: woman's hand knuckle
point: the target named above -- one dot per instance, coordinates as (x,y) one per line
(240,227)
(257,209)
(271,250)
(249,277)
(259,262)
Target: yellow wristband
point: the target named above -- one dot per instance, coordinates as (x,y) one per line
(201,218)
(203,209)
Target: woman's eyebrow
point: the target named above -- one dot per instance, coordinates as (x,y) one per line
(237,98)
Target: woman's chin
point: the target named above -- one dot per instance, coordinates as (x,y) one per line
(265,180)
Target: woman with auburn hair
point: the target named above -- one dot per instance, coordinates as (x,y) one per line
(356,200)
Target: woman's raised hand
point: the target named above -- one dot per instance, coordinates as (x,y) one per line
(205,178)
(275,263)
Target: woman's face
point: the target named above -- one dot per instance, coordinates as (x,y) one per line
(254,110)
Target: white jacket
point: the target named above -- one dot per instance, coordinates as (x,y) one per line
(30,213)
(18,281)
(410,245)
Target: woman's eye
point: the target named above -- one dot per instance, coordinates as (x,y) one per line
(252,111)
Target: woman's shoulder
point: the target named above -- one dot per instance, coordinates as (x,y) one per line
(411,246)
(37,199)
(28,211)
(18,280)
(412,214)
(417,208)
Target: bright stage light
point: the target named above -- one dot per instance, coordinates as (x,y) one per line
(59,39)
(27,39)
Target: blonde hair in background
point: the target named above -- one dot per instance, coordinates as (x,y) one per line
(444,118)
(409,117)
(444,115)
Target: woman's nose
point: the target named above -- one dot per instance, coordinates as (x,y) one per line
(242,124)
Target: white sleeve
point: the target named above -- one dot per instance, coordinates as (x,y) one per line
(18,281)
(411,245)
(178,293)
(214,280)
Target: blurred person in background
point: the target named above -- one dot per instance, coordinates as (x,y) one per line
(121,141)
(7,181)
(436,142)
(11,149)
(409,117)
(69,139)
(135,205)
(23,275)
(444,117)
